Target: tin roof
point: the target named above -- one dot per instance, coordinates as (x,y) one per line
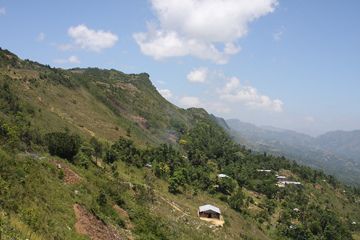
(221,175)
(209,207)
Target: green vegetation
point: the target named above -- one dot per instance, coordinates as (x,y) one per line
(110,143)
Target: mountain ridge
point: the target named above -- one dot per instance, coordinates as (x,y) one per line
(293,144)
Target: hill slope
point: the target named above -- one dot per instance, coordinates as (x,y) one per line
(99,154)
(334,152)
(345,144)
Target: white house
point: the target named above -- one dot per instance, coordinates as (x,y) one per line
(291,183)
(296,210)
(209,211)
(280,178)
(221,175)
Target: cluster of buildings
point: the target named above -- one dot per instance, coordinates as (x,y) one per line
(282,181)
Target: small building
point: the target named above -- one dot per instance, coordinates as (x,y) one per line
(291,183)
(209,211)
(296,210)
(280,178)
(221,175)
(148,165)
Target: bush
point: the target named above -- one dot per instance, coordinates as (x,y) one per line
(63,144)
(236,201)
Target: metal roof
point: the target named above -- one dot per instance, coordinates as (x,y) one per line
(209,207)
(221,175)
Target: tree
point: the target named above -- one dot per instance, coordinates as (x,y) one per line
(111,156)
(177,180)
(236,201)
(226,185)
(102,199)
(98,148)
(173,185)
(63,144)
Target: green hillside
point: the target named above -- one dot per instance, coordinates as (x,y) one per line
(100,154)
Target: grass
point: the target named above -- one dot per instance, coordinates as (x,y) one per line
(39,200)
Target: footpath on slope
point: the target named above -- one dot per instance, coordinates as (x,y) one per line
(88,224)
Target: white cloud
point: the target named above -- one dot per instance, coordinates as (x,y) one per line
(89,39)
(234,92)
(166,93)
(70,60)
(198,75)
(188,101)
(40,37)
(277,36)
(161,44)
(218,107)
(197,28)
(2,11)
(73,59)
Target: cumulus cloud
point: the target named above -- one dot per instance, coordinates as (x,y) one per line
(189,101)
(2,11)
(89,39)
(40,37)
(234,92)
(70,60)
(162,44)
(198,75)
(166,93)
(197,28)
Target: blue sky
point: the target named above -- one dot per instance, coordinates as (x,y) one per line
(290,64)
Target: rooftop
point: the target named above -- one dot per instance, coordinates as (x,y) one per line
(209,207)
(221,175)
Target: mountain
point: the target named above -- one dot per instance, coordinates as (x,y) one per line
(100,154)
(334,152)
(345,144)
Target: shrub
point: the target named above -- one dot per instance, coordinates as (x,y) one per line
(63,144)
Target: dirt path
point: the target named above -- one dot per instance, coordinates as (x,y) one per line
(173,205)
(70,177)
(128,224)
(88,224)
(123,213)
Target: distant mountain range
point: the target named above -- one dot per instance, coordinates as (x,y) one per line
(336,152)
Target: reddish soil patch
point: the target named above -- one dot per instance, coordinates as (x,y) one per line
(127,86)
(70,177)
(123,213)
(88,224)
(142,122)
